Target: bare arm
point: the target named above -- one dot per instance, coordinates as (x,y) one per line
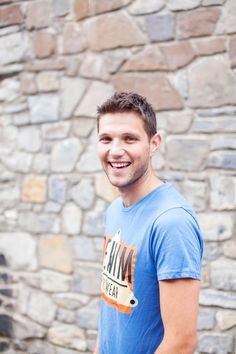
(179,310)
(96,349)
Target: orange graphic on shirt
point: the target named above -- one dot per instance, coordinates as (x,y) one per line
(118,274)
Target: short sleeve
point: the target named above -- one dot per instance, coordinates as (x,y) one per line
(176,245)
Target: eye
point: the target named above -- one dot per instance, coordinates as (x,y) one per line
(105,139)
(130,139)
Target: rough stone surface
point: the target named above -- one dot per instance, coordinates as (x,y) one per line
(216,343)
(29,139)
(54,282)
(64,155)
(34,189)
(44,44)
(177,55)
(216,226)
(10,15)
(67,336)
(60,7)
(43,108)
(230,249)
(206,46)
(160,28)
(223,274)
(223,192)
(112,31)
(41,308)
(12,48)
(183,5)
(227,20)
(38,15)
(218,298)
(206,320)
(73,40)
(47,81)
(221,159)
(71,219)
(85,316)
(54,131)
(83,194)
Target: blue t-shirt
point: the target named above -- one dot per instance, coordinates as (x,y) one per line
(155,239)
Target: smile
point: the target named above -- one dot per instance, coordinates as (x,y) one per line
(119,164)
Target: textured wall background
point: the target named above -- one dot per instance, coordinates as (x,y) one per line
(59,59)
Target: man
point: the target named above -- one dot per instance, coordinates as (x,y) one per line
(152,244)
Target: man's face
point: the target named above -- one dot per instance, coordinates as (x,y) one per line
(124,149)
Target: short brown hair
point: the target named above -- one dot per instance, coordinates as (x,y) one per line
(122,102)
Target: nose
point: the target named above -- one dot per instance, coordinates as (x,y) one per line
(116,149)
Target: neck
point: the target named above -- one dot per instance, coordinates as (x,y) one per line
(132,194)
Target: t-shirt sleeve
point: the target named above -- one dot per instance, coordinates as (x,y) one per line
(176,245)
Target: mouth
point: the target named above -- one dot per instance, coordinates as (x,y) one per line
(119,165)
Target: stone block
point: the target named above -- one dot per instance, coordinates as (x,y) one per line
(8,137)
(87,279)
(65,154)
(71,219)
(211,83)
(38,15)
(216,226)
(115,58)
(46,64)
(72,90)
(161,94)
(216,343)
(93,220)
(88,316)
(67,335)
(26,329)
(71,301)
(57,189)
(111,31)
(34,189)
(226,319)
(84,249)
(222,159)
(60,7)
(44,44)
(5,325)
(227,23)
(150,58)
(183,4)
(47,81)
(10,15)
(12,48)
(29,139)
(18,161)
(104,189)
(206,320)
(93,67)
(196,193)
(177,55)
(230,249)
(138,7)
(97,92)
(223,142)
(223,274)
(55,131)
(232,51)
(212,2)
(197,22)
(19,249)
(73,39)
(35,346)
(180,150)
(212,251)
(82,9)
(83,194)
(214,125)
(82,127)
(44,108)
(28,84)
(66,316)
(40,163)
(174,122)
(39,222)
(54,282)
(209,46)
(55,253)
(160,28)
(223,192)
(41,308)
(224,299)
(107,5)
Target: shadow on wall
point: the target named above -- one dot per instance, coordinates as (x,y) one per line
(6,328)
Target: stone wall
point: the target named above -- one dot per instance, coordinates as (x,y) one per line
(59,59)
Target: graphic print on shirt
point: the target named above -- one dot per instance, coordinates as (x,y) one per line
(118,273)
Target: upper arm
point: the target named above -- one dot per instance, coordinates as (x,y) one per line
(179,307)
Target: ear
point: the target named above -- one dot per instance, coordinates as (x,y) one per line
(155,143)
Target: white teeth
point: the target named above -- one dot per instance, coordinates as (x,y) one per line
(119,164)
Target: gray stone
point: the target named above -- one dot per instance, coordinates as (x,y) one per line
(222,159)
(212,250)
(82,127)
(12,48)
(174,122)
(60,7)
(9,90)
(223,142)
(138,7)
(115,58)
(84,249)
(54,282)
(24,328)
(60,350)
(216,226)
(160,27)
(227,23)
(37,346)
(216,343)
(88,316)
(65,155)
(9,195)
(72,90)
(211,83)
(67,335)
(18,161)
(83,193)
(44,108)
(226,319)
(89,161)
(71,219)
(29,139)
(5,174)
(97,92)
(19,249)
(93,220)
(66,316)
(209,297)
(21,118)
(181,149)
(212,2)
(214,125)
(94,67)
(57,187)
(41,163)
(16,107)
(196,193)
(54,131)
(183,4)
(70,301)
(87,279)
(230,249)
(223,274)
(39,222)
(41,308)
(223,192)
(206,320)
(51,207)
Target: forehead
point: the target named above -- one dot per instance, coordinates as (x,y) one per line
(125,121)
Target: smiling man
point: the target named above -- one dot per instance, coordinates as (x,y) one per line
(152,245)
